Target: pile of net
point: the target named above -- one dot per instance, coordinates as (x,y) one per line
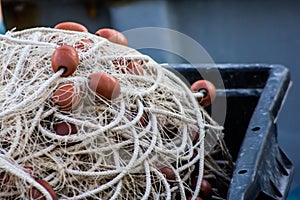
(153,141)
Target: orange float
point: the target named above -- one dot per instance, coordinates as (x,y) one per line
(35,194)
(113,36)
(65,128)
(168,173)
(208,90)
(65,57)
(71,26)
(104,85)
(66,97)
(129,66)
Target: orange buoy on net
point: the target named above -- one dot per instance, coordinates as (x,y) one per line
(83,45)
(168,173)
(207,92)
(67,97)
(65,128)
(65,57)
(35,194)
(113,36)
(71,26)
(104,85)
(129,66)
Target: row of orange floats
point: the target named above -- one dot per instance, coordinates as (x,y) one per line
(66,57)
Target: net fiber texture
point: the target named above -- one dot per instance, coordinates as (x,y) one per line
(121,145)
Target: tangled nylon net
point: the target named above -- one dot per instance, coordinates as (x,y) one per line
(122,148)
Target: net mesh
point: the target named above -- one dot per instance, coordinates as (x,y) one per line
(122,149)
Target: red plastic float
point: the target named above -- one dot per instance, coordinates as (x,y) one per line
(66,97)
(190,198)
(207,88)
(71,26)
(65,128)
(113,36)
(104,85)
(205,188)
(134,67)
(83,45)
(129,66)
(65,57)
(35,194)
(168,172)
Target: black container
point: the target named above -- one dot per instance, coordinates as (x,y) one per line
(253,97)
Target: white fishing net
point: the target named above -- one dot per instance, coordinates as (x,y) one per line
(121,146)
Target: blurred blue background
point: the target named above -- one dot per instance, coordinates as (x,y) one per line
(230,31)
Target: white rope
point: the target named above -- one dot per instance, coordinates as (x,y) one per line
(148,181)
(165,183)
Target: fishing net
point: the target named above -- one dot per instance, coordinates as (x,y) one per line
(150,142)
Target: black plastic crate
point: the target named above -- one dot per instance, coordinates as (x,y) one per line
(254,95)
